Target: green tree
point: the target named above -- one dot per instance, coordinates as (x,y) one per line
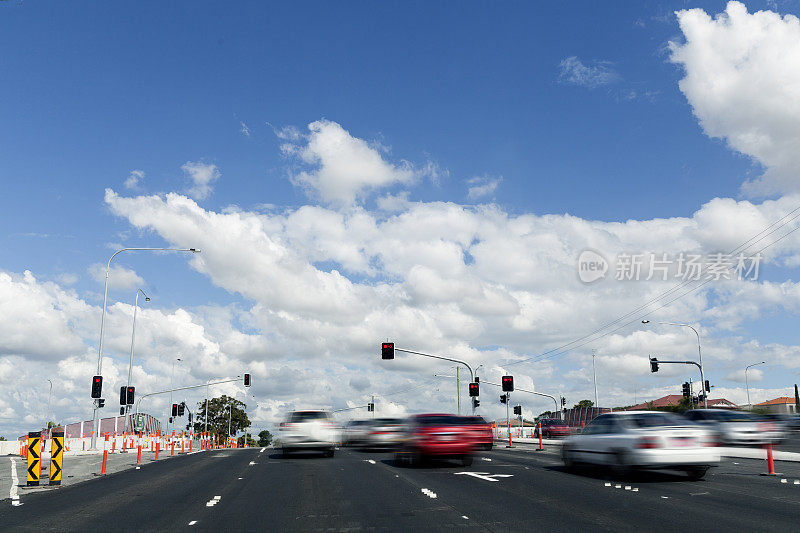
(250,441)
(218,413)
(583,403)
(2,438)
(264,438)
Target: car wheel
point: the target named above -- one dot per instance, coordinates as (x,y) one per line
(329,453)
(466,460)
(621,466)
(285,452)
(697,472)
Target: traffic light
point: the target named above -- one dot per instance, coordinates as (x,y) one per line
(370,406)
(563,402)
(473,389)
(130,395)
(387,350)
(123,395)
(170,420)
(517,409)
(477,379)
(121,411)
(247,380)
(686,391)
(97,386)
(174,410)
(508,383)
(708,387)
(101,403)
(181,409)
(476,403)
(503,398)
(653,364)
(190,418)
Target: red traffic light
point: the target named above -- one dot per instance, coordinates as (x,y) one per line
(387,350)
(174,409)
(473,389)
(247,380)
(97,386)
(508,383)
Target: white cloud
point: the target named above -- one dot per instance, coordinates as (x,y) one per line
(134,178)
(202,175)
(119,278)
(574,72)
(244,130)
(742,79)
(482,186)
(339,168)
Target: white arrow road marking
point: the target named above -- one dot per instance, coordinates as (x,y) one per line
(14,482)
(213,501)
(486,476)
(193,522)
(262,450)
(429,493)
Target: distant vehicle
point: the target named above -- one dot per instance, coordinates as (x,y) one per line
(642,440)
(553,427)
(355,432)
(308,430)
(481,432)
(736,428)
(441,436)
(383,433)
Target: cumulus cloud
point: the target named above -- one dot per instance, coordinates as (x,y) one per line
(482,186)
(119,278)
(243,129)
(573,71)
(742,79)
(134,178)
(202,175)
(339,168)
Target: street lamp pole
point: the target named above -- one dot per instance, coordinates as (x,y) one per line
(95,415)
(594,373)
(747,383)
(699,354)
(49,396)
(130,362)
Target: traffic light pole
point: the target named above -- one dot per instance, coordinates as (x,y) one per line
(459,361)
(508,419)
(702,377)
(528,391)
(143,396)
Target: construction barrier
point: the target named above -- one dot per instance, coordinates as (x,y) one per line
(56,457)
(105,455)
(139,450)
(540,437)
(34,448)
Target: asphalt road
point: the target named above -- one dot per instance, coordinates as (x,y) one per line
(519,489)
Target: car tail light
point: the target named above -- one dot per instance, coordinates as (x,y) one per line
(648,443)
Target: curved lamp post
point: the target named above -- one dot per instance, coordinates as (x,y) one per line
(747,384)
(699,354)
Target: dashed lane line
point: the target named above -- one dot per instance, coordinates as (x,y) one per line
(193,522)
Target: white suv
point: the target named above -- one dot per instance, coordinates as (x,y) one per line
(308,430)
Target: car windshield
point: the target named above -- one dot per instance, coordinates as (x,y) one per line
(307,416)
(474,420)
(440,420)
(651,420)
(553,422)
(387,422)
(733,416)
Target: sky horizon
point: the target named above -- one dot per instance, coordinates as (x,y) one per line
(434,175)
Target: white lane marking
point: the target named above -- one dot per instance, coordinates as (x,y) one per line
(635,489)
(193,522)
(784,481)
(627,487)
(736,463)
(240,478)
(608,484)
(429,493)
(665,497)
(698,493)
(262,450)
(483,475)
(138,468)
(213,501)
(485,459)
(217,498)
(252,463)
(465,517)
(797,482)
(617,486)
(14,482)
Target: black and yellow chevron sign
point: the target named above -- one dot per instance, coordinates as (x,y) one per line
(56,457)
(34,458)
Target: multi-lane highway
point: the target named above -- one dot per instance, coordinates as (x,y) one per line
(519,489)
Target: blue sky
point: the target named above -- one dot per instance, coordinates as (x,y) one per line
(482,92)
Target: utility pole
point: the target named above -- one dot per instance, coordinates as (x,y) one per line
(458,391)
(373,406)
(594,372)
(508,418)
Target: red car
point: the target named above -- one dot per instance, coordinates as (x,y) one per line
(481,432)
(553,427)
(441,436)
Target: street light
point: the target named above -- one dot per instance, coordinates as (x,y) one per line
(133,335)
(96,416)
(747,384)
(594,373)
(699,353)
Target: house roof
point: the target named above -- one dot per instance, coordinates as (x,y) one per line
(675,399)
(778,401)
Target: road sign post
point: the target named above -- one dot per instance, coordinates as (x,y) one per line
(56,457)
(34,458)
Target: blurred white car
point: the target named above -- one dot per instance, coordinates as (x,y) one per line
(355,432)
(384,433)
(308,430)
(736,428)
(642,440)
